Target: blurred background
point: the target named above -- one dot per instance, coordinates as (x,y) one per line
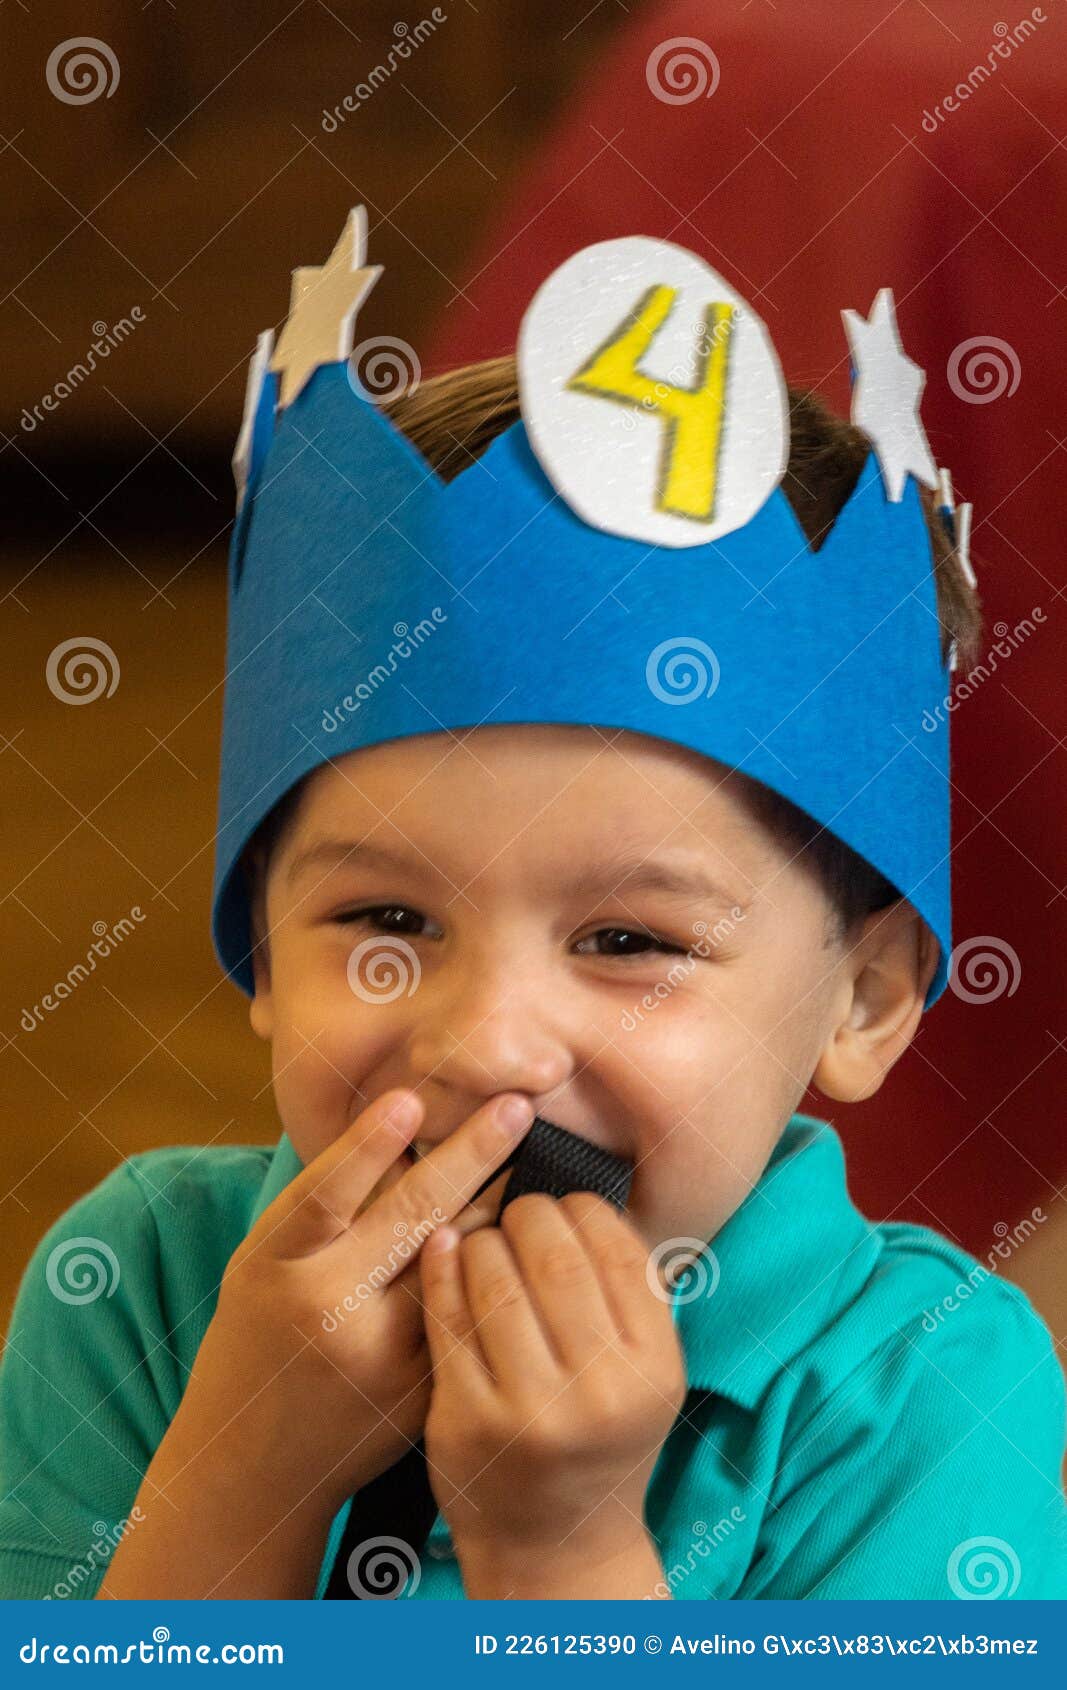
(164,167)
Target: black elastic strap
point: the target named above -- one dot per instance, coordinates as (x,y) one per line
(390,1517)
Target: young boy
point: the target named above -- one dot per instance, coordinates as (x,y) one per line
(448,925)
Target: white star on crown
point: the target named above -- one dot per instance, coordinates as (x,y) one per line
(242,452)
(322,309)
(885,396)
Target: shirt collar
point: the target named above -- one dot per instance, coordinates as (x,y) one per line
(284,1166)
(792,1255)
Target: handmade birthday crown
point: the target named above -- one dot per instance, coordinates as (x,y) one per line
(621,556)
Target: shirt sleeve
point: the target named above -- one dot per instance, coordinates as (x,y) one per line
(932,1470)
(81,1393)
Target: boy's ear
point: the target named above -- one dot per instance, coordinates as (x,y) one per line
(885,975)
(260,1010)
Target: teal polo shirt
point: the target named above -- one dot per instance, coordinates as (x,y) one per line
(870,1412)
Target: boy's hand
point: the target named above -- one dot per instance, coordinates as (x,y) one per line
(557,1376)
(321,1393)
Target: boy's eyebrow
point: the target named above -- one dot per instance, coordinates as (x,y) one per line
(682,877)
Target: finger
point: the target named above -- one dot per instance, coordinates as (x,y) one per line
(620,1257)
(441,1182)
(516,1343)
(324,1197)
(456,1354)
(562,1275)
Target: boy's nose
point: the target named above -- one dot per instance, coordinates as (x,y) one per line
(483,1040)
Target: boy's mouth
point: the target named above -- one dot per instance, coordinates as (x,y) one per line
(555,1161)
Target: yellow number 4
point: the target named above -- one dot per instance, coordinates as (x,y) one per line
(692,416)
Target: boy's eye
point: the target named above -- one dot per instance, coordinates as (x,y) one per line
(394,918)
(622,942)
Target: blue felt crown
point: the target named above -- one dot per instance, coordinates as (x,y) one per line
(369,600)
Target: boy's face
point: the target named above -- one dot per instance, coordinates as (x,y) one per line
(513,884)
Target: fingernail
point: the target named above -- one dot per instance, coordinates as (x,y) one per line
(442,1238)
(514,1112)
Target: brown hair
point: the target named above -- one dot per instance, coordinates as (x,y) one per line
(452,418)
